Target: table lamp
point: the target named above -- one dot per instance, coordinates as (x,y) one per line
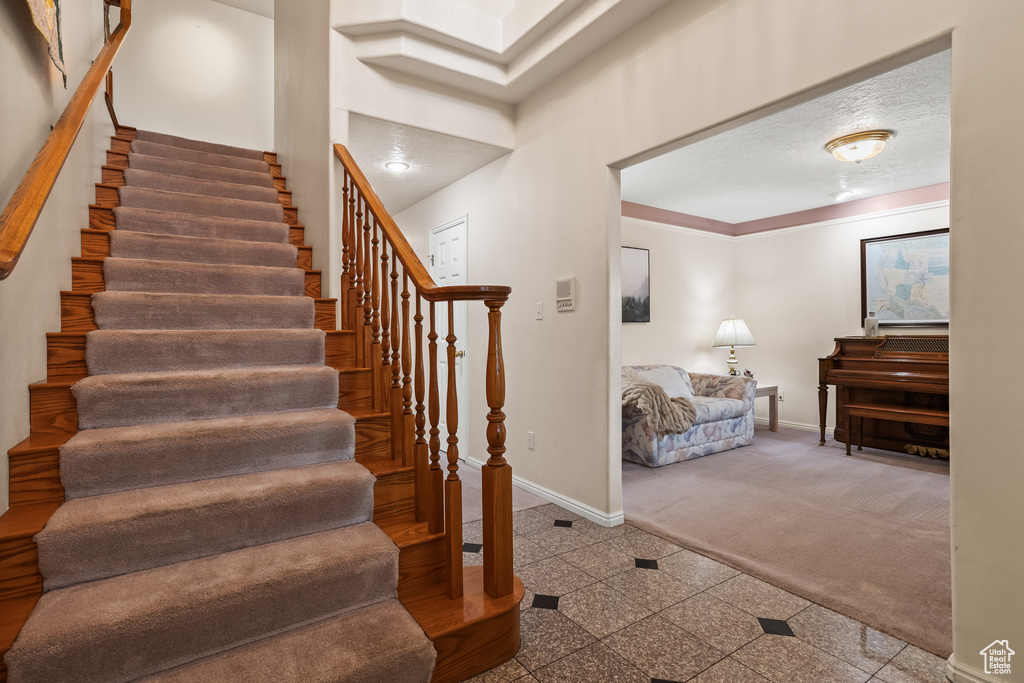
(732,333)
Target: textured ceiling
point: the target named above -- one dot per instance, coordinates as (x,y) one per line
(777,165)
(435,160)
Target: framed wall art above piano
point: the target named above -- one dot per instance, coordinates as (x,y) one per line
(904,279)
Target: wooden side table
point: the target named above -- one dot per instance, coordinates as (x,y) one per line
(772,392)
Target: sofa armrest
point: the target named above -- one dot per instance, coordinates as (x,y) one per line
(725,386)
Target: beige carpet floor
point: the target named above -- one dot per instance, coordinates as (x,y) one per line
(866,535)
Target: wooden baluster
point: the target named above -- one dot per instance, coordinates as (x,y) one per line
(406,357)
(436,478)
(374,265)
(357,277)
(420,454)
(496,476)
(383,376)
(395,386)
(452,484)
(366,329)
(346,275)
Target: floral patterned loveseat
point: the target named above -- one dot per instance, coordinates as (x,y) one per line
(725,417)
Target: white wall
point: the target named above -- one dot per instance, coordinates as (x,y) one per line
(32,98)
(693,286)
(698,65)
(303,123)
(199,69)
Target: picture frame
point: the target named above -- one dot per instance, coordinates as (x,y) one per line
(904,279)
(636,285)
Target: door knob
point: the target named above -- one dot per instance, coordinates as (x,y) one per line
(460,354)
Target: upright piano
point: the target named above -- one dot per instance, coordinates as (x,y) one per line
(895,373)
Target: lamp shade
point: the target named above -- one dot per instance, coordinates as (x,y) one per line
(733,332)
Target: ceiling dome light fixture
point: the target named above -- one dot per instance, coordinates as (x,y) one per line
(397,166)
(859,146)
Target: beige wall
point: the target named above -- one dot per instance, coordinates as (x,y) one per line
(199,69)
(302,123)
(693,286)
(543,213)
(32,98)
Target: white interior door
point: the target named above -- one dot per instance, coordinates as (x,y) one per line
(448,266)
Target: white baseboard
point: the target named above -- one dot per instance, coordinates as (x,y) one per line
(962,673)
(581,509)
(795,425)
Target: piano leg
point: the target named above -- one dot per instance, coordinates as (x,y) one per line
(860,432)
(846,428)
(822,409)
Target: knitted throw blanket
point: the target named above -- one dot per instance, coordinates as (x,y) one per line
(664,414)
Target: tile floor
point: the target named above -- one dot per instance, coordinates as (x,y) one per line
(621,605)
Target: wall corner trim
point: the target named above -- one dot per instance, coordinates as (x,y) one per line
(957,672)
(581,509)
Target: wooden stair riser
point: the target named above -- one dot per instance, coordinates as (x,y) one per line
(393,495)
(354,389)
(76,313)
(35,477)
(340,349)
(52,408)
(476,648)
(114,177)
(65,357)
(373,437)
(19,568)
(421,569)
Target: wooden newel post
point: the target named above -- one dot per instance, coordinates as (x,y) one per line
(496,474)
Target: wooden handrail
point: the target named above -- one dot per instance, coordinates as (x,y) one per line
(419,275)
(22,211)
(373,248)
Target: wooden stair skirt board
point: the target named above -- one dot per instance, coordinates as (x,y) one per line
(470,634)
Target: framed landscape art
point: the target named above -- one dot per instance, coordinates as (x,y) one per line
(904,279)
(636,285)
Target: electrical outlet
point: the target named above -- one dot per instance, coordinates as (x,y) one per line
(531,442)
(782,395)
(539,313)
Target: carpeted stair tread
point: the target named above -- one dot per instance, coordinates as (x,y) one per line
(368,645)
(195,225)
(109,352)
(198,145)
(197,157)
(137,624)
(143,275)
(210,188)
(157,247)
(146,162)
(154,311)
(102,536)
(180,202)
(99,461)
(150,397)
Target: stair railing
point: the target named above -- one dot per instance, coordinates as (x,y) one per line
(22,211)
(382,281)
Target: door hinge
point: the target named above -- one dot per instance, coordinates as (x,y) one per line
(431,259)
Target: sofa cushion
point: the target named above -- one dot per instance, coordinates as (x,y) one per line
(714,409)
(675,382)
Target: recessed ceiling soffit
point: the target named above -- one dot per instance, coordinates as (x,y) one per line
(501,57)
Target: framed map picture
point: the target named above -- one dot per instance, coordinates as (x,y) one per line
(904,279)
(636,285)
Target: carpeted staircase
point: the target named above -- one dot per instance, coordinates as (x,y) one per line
(216,526)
